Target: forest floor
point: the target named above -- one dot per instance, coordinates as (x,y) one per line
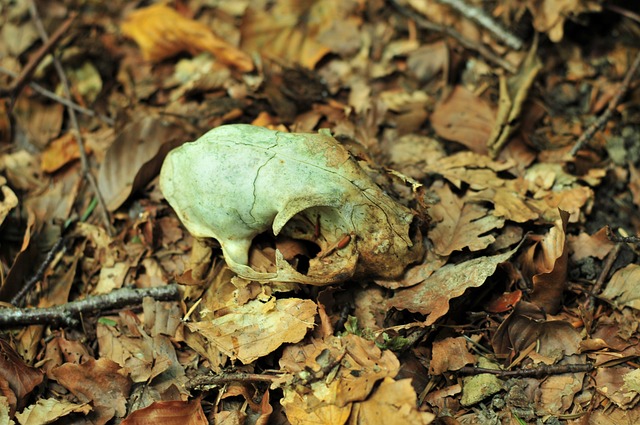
(507,132)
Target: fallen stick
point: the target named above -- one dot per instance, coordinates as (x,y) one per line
(482,18)
(613,104)
(68,314)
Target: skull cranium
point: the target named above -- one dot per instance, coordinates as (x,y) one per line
(238,181)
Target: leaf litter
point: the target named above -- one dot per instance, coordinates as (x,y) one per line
(523,308)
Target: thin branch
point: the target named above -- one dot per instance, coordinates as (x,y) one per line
(606,268)
(67,314)
(477,47)
(613,104)
(480,17)
(206,382)
(74,121)
(538,372)
(39,274)
(49,43)
(66,102)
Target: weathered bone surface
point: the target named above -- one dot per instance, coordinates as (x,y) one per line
(238,181)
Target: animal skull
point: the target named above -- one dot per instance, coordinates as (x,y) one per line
(238,181)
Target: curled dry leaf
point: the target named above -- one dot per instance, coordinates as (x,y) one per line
(545,263)
(135,157)
(20,378)
(9,199)
(161,32)
(238,181)
(431,297)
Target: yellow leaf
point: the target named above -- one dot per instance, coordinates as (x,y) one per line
(161,32)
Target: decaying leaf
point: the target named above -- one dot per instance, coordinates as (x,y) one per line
(49,410)
(161,32)
(257,328)
(238,181)
(99,382)
(431,297)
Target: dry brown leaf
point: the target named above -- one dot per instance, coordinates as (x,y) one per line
(257,328)
(135,157)
(584,245)
(513,94)
(20,377)
(291,37)
(356,364)
(60,152)
(296,405)
(431,297)
(460,225)
(527,325)
(623,289)
(41,122)
(9,199)
(545,263)
(392,402)
(161,32)
(549,15)
(170,413)
(480,172)
(611,383)
(49,410)
(450,354)
(557,392)
(464,118)
(99,382)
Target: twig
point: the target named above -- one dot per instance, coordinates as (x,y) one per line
(68,314)
(538,372)
(624,12)
(66,102)
(74,121)
(480,17)
(606,268)
(29,284)
(481,49)
(49,43)
(613,104)
(206,382)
